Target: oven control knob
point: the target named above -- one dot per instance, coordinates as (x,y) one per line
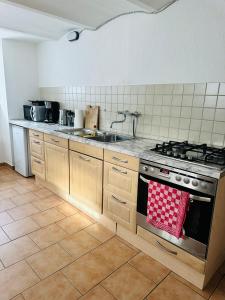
(204,185)
(178,178)
(145,168)
(195,182)
(186,180)
(152,169)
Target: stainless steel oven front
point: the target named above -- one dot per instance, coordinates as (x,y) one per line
(202,191)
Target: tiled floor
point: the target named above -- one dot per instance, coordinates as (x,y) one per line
(50,250)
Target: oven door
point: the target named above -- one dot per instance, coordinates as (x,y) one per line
(197,224)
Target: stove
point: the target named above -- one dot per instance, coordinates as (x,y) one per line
(197,153)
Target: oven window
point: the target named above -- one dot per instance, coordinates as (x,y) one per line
(198,220)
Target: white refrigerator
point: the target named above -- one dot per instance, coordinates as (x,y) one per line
(21,150)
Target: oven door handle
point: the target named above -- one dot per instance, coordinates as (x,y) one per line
(165,249)
(144,179)
(199,198)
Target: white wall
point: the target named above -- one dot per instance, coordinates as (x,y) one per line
(5,148)
(19,79)
(183,44)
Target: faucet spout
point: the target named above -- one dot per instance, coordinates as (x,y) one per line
(120,121)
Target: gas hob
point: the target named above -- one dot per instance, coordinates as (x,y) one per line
(200,154)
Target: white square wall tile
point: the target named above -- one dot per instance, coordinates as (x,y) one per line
(221,102)
(219,127)
(186,112)
(173,133)
(177,100)
(178,89)
(194,136)
(175,111)
(185,123)
(207,125)
(189,89)
(198,101)
(195,124)
(200,88)
(222,88)
(220,115)
(174,122)
(158,100)
(208,113)
(217,139)
(183,134)
(205,137)
(210,101)
(187,100)
(212,88)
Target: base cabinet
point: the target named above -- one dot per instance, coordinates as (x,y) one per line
(86,180)
(57,166)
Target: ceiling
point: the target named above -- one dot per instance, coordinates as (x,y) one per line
(52,19)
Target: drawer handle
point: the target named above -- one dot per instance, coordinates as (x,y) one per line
(165,249)
(37,135)
(35,142)
(119,171)
(118,200)
(55,141)
(84,158)
(120,160)
(37,161)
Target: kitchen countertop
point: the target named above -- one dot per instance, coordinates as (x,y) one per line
(138,147)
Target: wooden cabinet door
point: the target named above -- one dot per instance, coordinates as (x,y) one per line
(57,166)
(120,210)
(38,167)
(86,180)
(37,148)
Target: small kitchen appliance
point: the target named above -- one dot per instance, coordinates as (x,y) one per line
(52,111)
(37,113)
(62,117)
(26,112)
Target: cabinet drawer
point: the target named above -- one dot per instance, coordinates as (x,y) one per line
(119,210)
(37,148)
(36,134)
(172,250)
(122,160)
(38,167)
(86,149)
(121,181)
(52,139)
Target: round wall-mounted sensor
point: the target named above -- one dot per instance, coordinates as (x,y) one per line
(73,36)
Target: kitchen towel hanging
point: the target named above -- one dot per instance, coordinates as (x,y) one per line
(166,208)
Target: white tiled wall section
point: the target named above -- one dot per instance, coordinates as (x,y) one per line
(194,112)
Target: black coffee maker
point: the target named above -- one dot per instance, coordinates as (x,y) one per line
(52,111)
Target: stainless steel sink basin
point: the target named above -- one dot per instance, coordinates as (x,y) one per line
(99,136)
(110,138)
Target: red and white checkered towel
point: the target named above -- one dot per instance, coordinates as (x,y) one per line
(166,208)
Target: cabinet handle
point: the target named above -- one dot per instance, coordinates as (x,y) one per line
(119,171)
(55,141)
(83,158)
(118,200)
(37,135)
(120,160)
(165,249)
(37,161)
(35,142)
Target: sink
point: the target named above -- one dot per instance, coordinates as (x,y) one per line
(99,136)
(110,138)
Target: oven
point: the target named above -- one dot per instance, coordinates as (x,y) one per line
(198,220)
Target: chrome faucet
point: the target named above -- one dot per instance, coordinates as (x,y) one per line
(124,113)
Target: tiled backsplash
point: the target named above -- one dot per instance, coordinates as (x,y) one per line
(194,112)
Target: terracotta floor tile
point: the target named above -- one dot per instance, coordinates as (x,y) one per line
(6,204)
(5,219)
(67,209)
(52,288)
(43,193)
(86,272)
(128,284)
(25,198)
(114,253)
(48,217)
(48,236)
(23,211)
(20,228)
(219,293)
(74,223)
(3,237)
(49,202)
(172,289)
(9,193)
(98,293)
(99,232)
(17,250)
(79,243)
(20,297)
(15,279)
(149,267)
(207,292)
(49,260)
